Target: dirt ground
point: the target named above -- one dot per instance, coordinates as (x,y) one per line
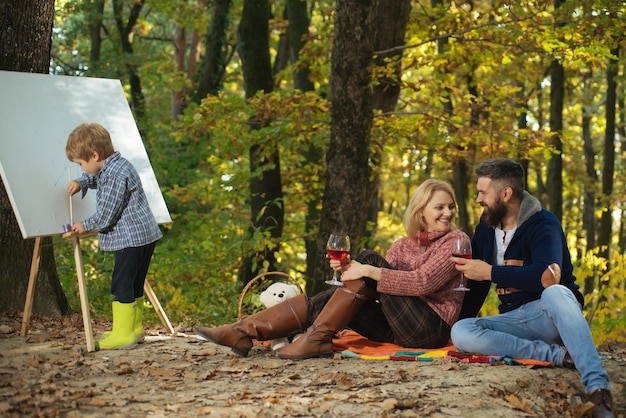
(49,373)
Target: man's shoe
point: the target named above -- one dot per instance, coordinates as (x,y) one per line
(568,362)
(604,403)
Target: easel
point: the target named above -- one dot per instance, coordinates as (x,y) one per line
(82,290)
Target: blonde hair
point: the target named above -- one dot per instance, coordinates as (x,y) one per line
(413,221)
(87,138)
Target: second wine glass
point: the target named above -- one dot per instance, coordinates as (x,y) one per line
(337,248)
(462,247)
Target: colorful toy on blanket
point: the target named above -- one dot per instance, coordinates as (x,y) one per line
(276,293)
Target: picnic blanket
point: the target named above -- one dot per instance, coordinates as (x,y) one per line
(352,344)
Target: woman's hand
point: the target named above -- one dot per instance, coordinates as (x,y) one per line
(339,265)
(353,270)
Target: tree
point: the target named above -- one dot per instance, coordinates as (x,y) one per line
(25,42)
(298,21)
(217,54)
(125,31)
(347,157)
(266,195)
(557,94)
(606,220)
(388,30)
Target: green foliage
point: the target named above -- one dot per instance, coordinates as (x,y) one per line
(463,101)
(605,307)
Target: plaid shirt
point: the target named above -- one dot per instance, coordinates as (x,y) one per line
(123,218)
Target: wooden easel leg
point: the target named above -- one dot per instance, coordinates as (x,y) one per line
(157,306)
(82,290)
(32,281)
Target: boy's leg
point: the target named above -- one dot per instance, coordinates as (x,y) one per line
(124,306)
(144,257)
(122,335)
(125,272)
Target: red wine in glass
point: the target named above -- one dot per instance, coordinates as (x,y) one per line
(462,247)
(466,256)
(337,254)
(337,248)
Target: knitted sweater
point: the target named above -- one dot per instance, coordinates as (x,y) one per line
(425,271)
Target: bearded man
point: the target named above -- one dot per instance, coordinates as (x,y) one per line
(522,249)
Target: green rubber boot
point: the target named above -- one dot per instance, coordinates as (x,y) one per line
(139,332)
(139,335)
(123,334)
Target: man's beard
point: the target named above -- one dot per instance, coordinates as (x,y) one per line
(492,216)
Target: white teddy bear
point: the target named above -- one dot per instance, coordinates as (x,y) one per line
(273,295)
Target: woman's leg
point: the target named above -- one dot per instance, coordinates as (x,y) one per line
(414,323)
(370,321)
(282,320)
(370,313)
(404,320)
(344,304)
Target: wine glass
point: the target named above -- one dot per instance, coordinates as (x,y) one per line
(462,247)
(337,248)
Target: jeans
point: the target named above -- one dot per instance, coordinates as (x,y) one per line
(538,330)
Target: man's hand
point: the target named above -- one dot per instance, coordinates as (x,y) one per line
(473,269)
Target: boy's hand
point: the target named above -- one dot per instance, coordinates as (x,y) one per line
(78,228)
(73,187)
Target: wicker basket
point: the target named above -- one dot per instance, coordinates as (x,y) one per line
(258,281)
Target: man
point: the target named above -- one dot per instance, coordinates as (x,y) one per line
(522,249)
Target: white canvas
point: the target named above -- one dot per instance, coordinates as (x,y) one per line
(37,114)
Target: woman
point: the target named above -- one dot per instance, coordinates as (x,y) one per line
(405,299)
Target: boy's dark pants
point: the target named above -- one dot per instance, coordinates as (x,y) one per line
(129,272)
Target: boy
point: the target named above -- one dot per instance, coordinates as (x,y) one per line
(124,223)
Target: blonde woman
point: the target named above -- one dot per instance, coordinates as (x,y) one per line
(407,298)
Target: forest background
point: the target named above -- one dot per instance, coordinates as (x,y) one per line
(271,124)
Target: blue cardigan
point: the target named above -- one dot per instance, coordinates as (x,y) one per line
(538,241)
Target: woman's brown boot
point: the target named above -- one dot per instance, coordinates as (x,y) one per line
(338,312)
(280,320)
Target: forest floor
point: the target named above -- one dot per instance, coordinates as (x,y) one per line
(49,373)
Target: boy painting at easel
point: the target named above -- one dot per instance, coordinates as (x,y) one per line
(124,223)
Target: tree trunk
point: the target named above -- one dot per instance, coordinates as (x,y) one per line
(185,61)
(125,31)
(266,194)
(621,130)
(388,29)
(344,205)
(460,169)
(589,216)
(297,30)
(25,41)
(606,221)
(555,166)
(96,8)
(215,52)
